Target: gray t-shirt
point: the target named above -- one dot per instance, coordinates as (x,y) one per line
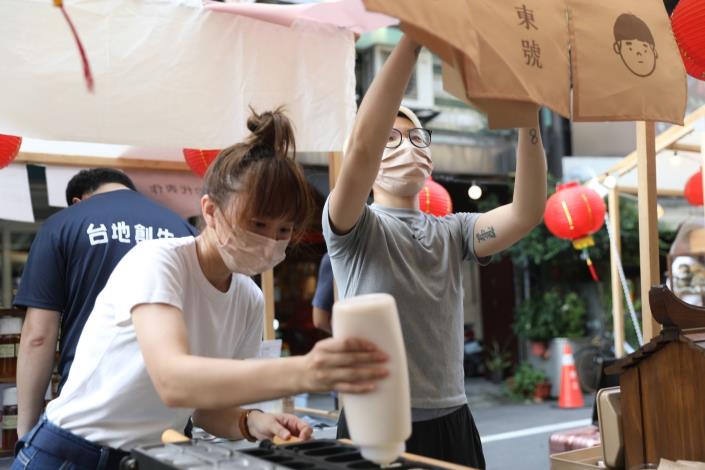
(417,258)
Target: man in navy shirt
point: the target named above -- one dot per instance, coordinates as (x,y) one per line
(69,263)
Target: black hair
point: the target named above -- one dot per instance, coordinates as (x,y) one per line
(87,181)
(263,171)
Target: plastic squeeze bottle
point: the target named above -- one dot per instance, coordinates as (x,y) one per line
(379,421)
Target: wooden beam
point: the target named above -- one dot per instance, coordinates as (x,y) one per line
(6,268)
(648,224)
(702,154)
(664,140)
(659,192)
(100,162)
(679,147)
(617,291)
(268,292)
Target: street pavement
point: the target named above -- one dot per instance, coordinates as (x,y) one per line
(515,435)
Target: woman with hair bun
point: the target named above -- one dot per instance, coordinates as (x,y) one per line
(169,334)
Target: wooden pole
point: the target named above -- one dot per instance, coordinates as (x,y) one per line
(617,291)
(691,148)
(702,150)
(648,223)
(664,140)
(268,292)
(6,268)
(101,162)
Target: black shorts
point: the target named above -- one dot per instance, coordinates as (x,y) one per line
(451,438)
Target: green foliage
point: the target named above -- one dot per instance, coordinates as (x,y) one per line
(551,315)
(553,266)
(571,319)
(523,384)
(629,332)
(499,358)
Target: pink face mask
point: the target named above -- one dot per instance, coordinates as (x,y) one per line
(404,169)
(246,252)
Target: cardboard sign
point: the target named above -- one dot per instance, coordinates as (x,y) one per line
(440,25)
(515,52)
(501,114)
(521,53)
(625,61)
(502,56)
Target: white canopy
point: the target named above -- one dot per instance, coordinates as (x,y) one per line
(169,74)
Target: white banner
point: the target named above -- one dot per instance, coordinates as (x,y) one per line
(169,75)
(15,197)
(58,178)
(180,192)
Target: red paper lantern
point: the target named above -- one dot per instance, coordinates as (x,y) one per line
(693,190)
(9,148)
(688,22)
(574,213)
(434,199)
(199,160)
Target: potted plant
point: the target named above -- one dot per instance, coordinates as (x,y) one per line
(571,317)
(552,315)
(528,383)
(534,321)
(498,361)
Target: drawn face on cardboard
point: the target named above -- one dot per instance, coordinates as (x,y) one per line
(634,43)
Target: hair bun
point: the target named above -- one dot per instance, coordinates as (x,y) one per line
(272,134)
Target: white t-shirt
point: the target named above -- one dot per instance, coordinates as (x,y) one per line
(109,398)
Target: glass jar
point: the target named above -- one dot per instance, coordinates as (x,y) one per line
(7,350)
(13,330)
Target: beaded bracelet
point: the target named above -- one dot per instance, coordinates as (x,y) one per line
(244,427)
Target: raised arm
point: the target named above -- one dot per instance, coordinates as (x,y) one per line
(374,120)
(186,381)
(500,228)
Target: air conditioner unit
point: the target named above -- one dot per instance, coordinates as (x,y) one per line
(419,92)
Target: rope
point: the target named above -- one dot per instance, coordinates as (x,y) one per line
(623,280)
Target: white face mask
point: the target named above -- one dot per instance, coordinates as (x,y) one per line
(246,252)
(404,169)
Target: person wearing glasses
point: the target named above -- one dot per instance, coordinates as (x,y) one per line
(393,247)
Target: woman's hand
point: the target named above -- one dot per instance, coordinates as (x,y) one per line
(267,426)
(346,365)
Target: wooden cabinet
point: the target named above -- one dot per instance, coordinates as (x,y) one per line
(663,387)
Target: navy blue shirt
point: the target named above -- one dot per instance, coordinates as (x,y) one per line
(77,248)
(323,298)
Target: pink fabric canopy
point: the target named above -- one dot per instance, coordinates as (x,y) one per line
(349,14)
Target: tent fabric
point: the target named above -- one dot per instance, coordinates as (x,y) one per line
(349,14)
(625,62)
(501,56)
(170,74)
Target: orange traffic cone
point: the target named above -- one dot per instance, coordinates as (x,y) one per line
(570,395)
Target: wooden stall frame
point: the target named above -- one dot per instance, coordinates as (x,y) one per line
(617,306)
(648,147)
(122,163)
(648,223)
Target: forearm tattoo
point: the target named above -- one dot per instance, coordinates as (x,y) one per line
(534,136)
(486,234)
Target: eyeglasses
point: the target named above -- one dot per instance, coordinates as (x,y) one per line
(418,136)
